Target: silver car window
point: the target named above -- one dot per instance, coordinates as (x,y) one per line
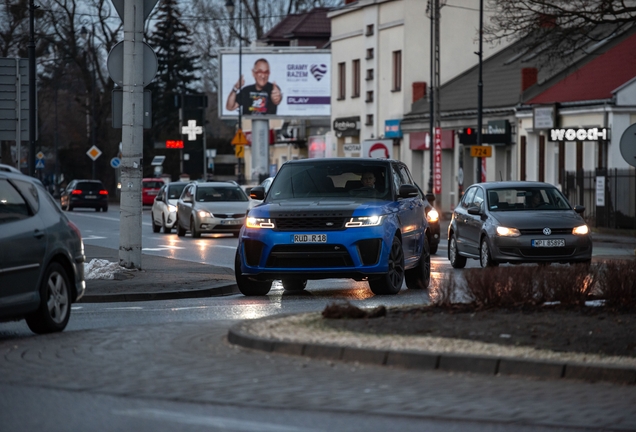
(30,193)
(467,199)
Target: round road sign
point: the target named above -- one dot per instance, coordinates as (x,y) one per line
(628,145)
(115,162)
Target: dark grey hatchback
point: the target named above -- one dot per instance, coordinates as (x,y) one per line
(41,256)
(517,222)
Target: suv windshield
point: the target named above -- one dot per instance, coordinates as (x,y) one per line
(321,179)
(527,199)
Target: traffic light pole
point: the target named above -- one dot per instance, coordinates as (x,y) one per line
(480,87)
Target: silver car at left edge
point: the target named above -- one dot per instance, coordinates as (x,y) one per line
(41,256)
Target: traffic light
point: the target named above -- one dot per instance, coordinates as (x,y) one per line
(468,136)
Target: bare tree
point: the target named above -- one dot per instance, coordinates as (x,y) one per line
(561,29)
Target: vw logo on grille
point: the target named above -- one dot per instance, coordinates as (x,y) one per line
(547,231)
(329,224)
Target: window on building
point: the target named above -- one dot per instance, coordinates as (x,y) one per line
(369,120)
(397,70)
(369,74)
(342,85)
(369,53)
(369,30)
(369,96)
(355,83)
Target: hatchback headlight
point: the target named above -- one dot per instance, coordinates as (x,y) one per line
(432,215)
(205,214)
(172,208)
(508,232)
(364,221)
(252,222)
(580,230)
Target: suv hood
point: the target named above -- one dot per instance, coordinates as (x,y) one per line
(301,206)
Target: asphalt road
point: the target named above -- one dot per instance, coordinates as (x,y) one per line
(166,365)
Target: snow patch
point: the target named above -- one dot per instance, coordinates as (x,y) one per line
(101,269)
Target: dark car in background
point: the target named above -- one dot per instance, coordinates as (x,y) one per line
(150,189)
(361,219)
(84,194)
(41,256)
(517,222)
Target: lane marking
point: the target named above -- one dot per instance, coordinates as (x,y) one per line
(92,237)
(223,423)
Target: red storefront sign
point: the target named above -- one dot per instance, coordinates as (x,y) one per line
(437,162)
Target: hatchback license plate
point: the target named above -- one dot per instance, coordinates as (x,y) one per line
(310,238)
(90,197)
(548,243)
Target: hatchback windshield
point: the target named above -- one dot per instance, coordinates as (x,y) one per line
(343,179)
(220,193)
(526,199)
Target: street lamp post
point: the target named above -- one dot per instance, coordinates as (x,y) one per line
(229,5)
(88,36)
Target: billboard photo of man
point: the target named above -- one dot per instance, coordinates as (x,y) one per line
(260,98)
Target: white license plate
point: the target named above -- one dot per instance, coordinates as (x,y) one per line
(548,243)
(231,222)
(90,197)
(310,238)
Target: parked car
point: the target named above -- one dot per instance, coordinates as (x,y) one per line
(211,207)
(336,218)
(9,168)
(517,222)
(149,189)
(41,256)
(84,193)
(164,209)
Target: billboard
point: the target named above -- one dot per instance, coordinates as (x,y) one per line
(275,84)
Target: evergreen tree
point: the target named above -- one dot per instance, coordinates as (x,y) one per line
(172,42)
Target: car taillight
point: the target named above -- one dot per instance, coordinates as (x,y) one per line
(103,192)
(76,192)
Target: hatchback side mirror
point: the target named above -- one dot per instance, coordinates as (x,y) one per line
(187,199)
(158,198)
(474,210)
(579,209)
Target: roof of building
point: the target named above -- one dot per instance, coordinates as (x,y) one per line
(311,24)
(596,79)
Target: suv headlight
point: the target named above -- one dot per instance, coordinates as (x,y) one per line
(252,222)
(172,208)
(364,221)
(432,215)
(508,232)
(580,230)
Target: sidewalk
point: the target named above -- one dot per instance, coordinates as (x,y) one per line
(161,279)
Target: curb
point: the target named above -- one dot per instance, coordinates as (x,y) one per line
(489,365)
(165,295)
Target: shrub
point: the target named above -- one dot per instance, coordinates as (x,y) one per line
(501,286)
(617,284)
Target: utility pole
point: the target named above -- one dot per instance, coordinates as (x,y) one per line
(32,101)
(132,136)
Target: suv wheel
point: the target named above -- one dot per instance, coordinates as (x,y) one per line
(166,229)
(294,284)
(456,260)
(155,227)
(419,277)
(247,286)
(391,282)
(485,258)
(55,302)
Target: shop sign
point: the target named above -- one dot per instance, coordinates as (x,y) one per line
(347,126)
(392,129)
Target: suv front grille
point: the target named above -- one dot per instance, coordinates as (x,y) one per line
(325,223)
(309,256)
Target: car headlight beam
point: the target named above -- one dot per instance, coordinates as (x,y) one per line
(252,222)
(432,215)
(580,230)
(507,232)
(364,221)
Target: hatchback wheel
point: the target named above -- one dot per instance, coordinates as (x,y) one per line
(155,227)
(419,277)
(166,229)
(294,284)
(391,282)
(247,286)
(456,260)
(55,302)
(485,257)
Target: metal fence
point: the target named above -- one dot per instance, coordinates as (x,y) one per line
(619,193)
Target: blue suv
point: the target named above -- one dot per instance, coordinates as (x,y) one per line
(362,219)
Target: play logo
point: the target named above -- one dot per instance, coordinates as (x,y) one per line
(318,71)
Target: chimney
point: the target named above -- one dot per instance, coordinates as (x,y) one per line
(419,90)
(528,78)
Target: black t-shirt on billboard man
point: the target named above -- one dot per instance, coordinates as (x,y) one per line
(255,102)
(260,98)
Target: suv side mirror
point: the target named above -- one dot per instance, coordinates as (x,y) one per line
(257,193)
(579,209)
(158,198)
(408,191)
